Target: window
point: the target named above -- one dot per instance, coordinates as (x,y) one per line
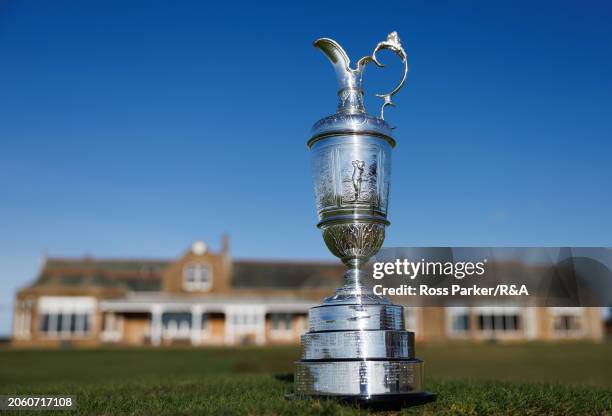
(62,321)
(457,321)
(197,276)
(281,326)
(45,323)
(73,319)
(492,322)
(246,320)
(204,322)
(176,324)
(461,323)
(498,322)
(566,321)
(64,324)
(281,321)
(85,319)
(65,316)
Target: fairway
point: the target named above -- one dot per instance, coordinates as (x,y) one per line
(470,379)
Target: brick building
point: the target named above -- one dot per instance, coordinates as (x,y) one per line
(207,298)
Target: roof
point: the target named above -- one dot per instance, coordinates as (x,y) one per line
(139,266)
(145,275)
(132,274)
(286,274)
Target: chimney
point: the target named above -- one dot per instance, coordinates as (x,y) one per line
(227,260)
(225,244)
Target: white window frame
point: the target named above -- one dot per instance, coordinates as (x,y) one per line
(198,286)
(66,306)
(452,312)
(576,312)
(245,320)
(173,329)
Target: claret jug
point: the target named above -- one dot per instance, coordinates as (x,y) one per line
(357,348)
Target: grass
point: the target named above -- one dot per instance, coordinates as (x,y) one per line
(481,379)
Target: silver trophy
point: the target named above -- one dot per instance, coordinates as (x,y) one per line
(357,348)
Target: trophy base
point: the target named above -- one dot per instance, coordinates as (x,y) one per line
(358,377)
(377,401)
(357,351)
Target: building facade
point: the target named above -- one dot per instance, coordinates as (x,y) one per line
(206,298)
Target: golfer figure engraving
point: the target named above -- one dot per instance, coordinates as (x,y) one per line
(358,168)
(356,349)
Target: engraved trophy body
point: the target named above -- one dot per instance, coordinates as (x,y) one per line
(357,348)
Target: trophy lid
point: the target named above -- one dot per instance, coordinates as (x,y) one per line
(351,116)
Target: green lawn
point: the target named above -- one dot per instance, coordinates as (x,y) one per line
(470,379)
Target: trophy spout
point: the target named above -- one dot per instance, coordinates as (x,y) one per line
(347,78)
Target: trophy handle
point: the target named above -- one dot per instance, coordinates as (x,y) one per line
(393,44)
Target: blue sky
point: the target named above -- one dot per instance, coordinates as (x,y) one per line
(134,128)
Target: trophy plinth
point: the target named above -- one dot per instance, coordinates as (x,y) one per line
(357,349)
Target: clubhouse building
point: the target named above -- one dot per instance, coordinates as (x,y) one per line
(208,298)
